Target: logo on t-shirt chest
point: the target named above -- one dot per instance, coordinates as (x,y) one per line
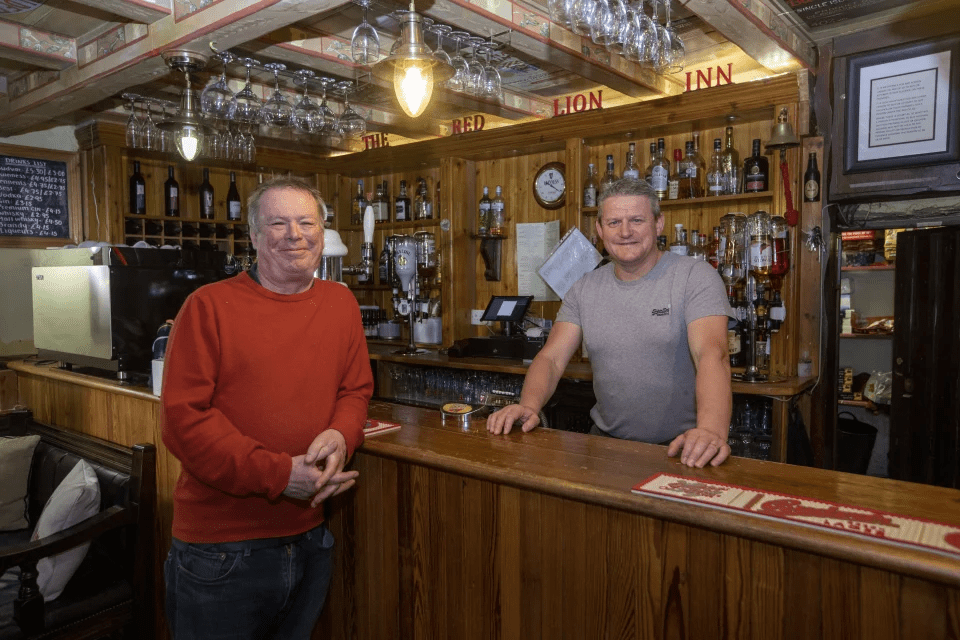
(665,311)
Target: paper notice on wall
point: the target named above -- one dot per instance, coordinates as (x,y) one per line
(569,261)
(535,241)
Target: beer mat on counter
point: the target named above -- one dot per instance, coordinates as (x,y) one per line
(870,523)
(375,427)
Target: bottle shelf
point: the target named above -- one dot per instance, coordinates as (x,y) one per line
(868,336)
(389,226)
(872,267)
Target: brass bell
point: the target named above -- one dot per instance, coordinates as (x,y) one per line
(782,136)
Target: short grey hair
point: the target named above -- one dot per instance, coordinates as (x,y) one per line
(629,187)
(281,182)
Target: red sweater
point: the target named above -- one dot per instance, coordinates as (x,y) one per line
(250,378)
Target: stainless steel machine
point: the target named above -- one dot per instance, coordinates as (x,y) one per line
(101,306)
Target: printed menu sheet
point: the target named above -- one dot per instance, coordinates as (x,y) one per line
(535,240)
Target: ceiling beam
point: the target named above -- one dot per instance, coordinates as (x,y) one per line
(760,30)
(229,23)
(36,47)
(143,11)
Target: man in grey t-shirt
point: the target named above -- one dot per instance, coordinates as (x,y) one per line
(655,327)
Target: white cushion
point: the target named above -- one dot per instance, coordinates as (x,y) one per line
(16,456)
(76,499)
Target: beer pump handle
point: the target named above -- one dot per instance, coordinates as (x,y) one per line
(368,225)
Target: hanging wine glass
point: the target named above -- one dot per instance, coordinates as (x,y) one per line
(558,12)
(603,27)
(216,96)
(350,122)
(247,145)
(245,105)
(365,43)
(306,112)
(581,18)
(473,83)
(648,40)
(624,17)
(492,88)
(133,122)
(276,111)
(149,133)
(326,123)
(440,30)
(674,54)
(460,67)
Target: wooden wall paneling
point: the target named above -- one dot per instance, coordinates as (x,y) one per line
(554,555)
(622,563)
(675,603)
(481,574)
(593,587)
(459,250)
(736,587)
(766,592)
(508,561)
(649,539)
(879,602)
(923,609)
(575,536)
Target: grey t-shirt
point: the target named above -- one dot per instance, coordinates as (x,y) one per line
(635,334)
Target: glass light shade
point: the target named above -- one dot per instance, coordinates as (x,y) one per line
(413,84)
(189,139)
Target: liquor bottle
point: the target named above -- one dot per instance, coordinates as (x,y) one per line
(630,168)
(206,197)
(234,204)
(761,246)
(483,213)
(699,166)
(811,180)
(698,250)
(384,266)
(358,205)
(716,177)
(422,206)
(673,186)
(401,206)
(713,254)
(731,165)
(756,171)
(734,331)
(591,188)
(498,214)
(660,171)
(171,195)
(381,204)
(609,177)
(679,244)
(648,173)
(662,243)
(780,254)
(691,178)
(138,191)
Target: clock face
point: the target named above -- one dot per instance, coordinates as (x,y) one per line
(550,186)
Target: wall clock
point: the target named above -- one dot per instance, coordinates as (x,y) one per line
(550,186)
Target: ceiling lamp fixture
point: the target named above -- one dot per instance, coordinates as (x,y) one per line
(411,66)
(186,126)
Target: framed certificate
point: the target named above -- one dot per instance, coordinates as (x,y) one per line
(902,106)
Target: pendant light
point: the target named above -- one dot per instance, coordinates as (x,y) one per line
(186,126)
(411,66)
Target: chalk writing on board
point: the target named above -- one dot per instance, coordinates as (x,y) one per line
(33,198)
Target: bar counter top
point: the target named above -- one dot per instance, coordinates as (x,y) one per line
(602,471)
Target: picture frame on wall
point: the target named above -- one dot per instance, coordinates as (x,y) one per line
(902,106)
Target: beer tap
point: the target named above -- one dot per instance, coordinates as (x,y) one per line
(405,265)
(364,270)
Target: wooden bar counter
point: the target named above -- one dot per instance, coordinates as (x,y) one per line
(454,533)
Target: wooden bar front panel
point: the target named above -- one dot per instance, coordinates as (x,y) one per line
(425,553)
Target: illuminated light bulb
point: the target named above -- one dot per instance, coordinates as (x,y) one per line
(189,142)
(413,84)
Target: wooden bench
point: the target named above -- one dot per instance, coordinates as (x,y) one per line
(113,590)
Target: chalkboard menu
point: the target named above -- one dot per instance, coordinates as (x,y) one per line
(33,198)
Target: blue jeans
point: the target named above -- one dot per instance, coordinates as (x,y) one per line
(256,589)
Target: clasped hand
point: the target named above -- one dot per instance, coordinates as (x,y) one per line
(318,474)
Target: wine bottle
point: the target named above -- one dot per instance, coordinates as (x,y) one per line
(138,191)
(234,204)
(206,197)
(171,195)
(756,171)
(811,180)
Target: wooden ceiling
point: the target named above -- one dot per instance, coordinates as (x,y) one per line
(63,60)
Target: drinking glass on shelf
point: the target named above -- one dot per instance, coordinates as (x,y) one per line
(365,43)
(245,105)
(149,133)
(350,122)
(247,146)
(306,112)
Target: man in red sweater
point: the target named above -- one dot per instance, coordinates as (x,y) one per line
(266,384)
